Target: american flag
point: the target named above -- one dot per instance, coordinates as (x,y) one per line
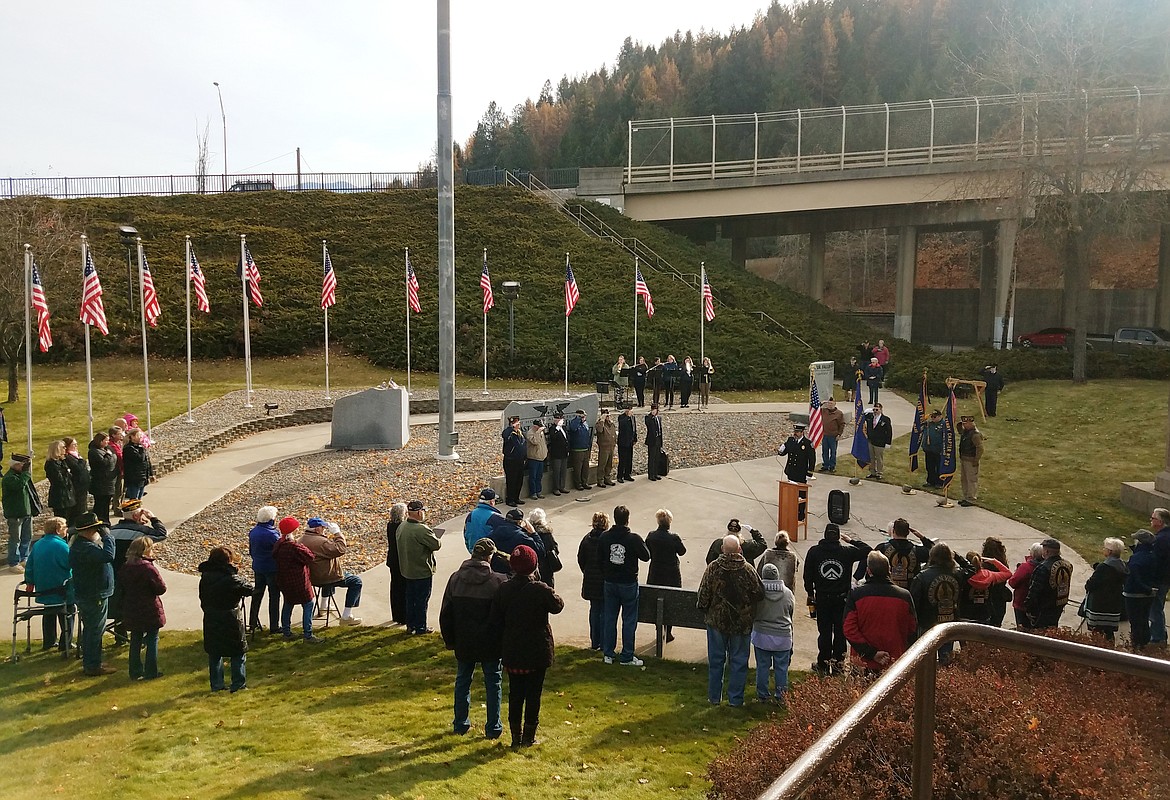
(572,294)
(150,306)
(708,299)
(252,273)
(199,282)
(485,283)
(329,283)
(93,311)
(44,335)
(412,287)
(642,290)
(816,428)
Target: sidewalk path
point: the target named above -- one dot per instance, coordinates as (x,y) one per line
(702,499)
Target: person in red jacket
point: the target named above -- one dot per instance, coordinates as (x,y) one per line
(292,577)
(1021,581)
(142,609)
(879,618)
(983,573)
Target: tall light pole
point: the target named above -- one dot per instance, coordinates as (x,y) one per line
(448,437)
(223,116)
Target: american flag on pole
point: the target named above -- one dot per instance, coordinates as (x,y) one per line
(44,335)
(93,311)
(329,283)
(572,294)
(252,272)
(199,283)
(816,428)
(412,288)
(642,290)
(485,283)
(150,306)
(708,299)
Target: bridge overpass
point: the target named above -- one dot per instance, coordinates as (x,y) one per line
(924,166)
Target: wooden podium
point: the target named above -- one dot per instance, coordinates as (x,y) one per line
(792,509)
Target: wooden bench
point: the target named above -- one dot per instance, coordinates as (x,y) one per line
(666,605)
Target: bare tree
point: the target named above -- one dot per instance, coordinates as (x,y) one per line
(1088,144)
(53,233)
(201,156)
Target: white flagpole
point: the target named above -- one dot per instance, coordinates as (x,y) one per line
(88,370)
(635,361)
(485,313)
(323,256)
(702,309)
(187,270)
(28,259)
(145,359)
(406,273)
(247,323)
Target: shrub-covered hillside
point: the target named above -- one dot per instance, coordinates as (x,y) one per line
(526,240)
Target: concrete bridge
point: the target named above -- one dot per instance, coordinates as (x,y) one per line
(925,166)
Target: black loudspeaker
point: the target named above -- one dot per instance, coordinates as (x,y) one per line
(838,507)
(663,464)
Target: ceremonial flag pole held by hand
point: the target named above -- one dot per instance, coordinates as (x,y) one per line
(572,295)
(412,304)
(93,313)
(250,286)
(151,311)
(194,278)
(860,448)
(328,298)
(916,433)
(489,302)
(706,309)
(816,426)
(950,453)
(643,291)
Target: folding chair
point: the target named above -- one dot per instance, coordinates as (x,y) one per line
(29,604)
(325,603)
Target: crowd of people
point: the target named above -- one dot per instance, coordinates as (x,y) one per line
(665,382)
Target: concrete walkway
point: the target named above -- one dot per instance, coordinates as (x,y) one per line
(702,499)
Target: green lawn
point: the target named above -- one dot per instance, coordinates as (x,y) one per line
(1057,454)
(367,714)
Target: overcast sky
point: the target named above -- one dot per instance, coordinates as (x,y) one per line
(105,88)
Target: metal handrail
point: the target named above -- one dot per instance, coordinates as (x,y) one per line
(919,663)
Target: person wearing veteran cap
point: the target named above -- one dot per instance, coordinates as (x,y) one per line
(91,555)
(834,427)
(515,460)
(465,623)
(328,545)
(605,431)
(520,609)
(802,455)
(1140,587)
(476,527)
(136,521)
(970,452)
(653,443)
(580,445)
(17,491)
(1048,592)
(537,454)
(292,576)
(509,533)
(873,375)
(558,454)
(417,544)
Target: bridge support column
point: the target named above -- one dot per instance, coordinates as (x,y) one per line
(904,282)
(1005,257)
(1162,301)
(987,263)
(739,250)
(816,265)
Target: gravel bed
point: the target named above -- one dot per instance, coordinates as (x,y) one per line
(356,489)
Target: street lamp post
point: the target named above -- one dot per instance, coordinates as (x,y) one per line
(223,116)
(511,290)
(129,236)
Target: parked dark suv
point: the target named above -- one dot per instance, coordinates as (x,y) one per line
(252,186)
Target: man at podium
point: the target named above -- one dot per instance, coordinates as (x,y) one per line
(802,456)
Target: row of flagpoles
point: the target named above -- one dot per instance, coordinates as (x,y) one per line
(93,313)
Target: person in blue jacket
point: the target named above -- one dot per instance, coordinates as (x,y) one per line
(476,525)
(261,539)
(1141,587)
(47,570)
(515,450)
(91,555)
(509,532)
(580,445)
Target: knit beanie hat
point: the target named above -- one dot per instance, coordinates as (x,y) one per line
(523,560)
(287,525)
(770,573)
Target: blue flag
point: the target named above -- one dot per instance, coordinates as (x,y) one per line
(919,425)
(950,453)
(860,449)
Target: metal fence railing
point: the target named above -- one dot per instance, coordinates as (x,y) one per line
(958,129)
(163,185)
